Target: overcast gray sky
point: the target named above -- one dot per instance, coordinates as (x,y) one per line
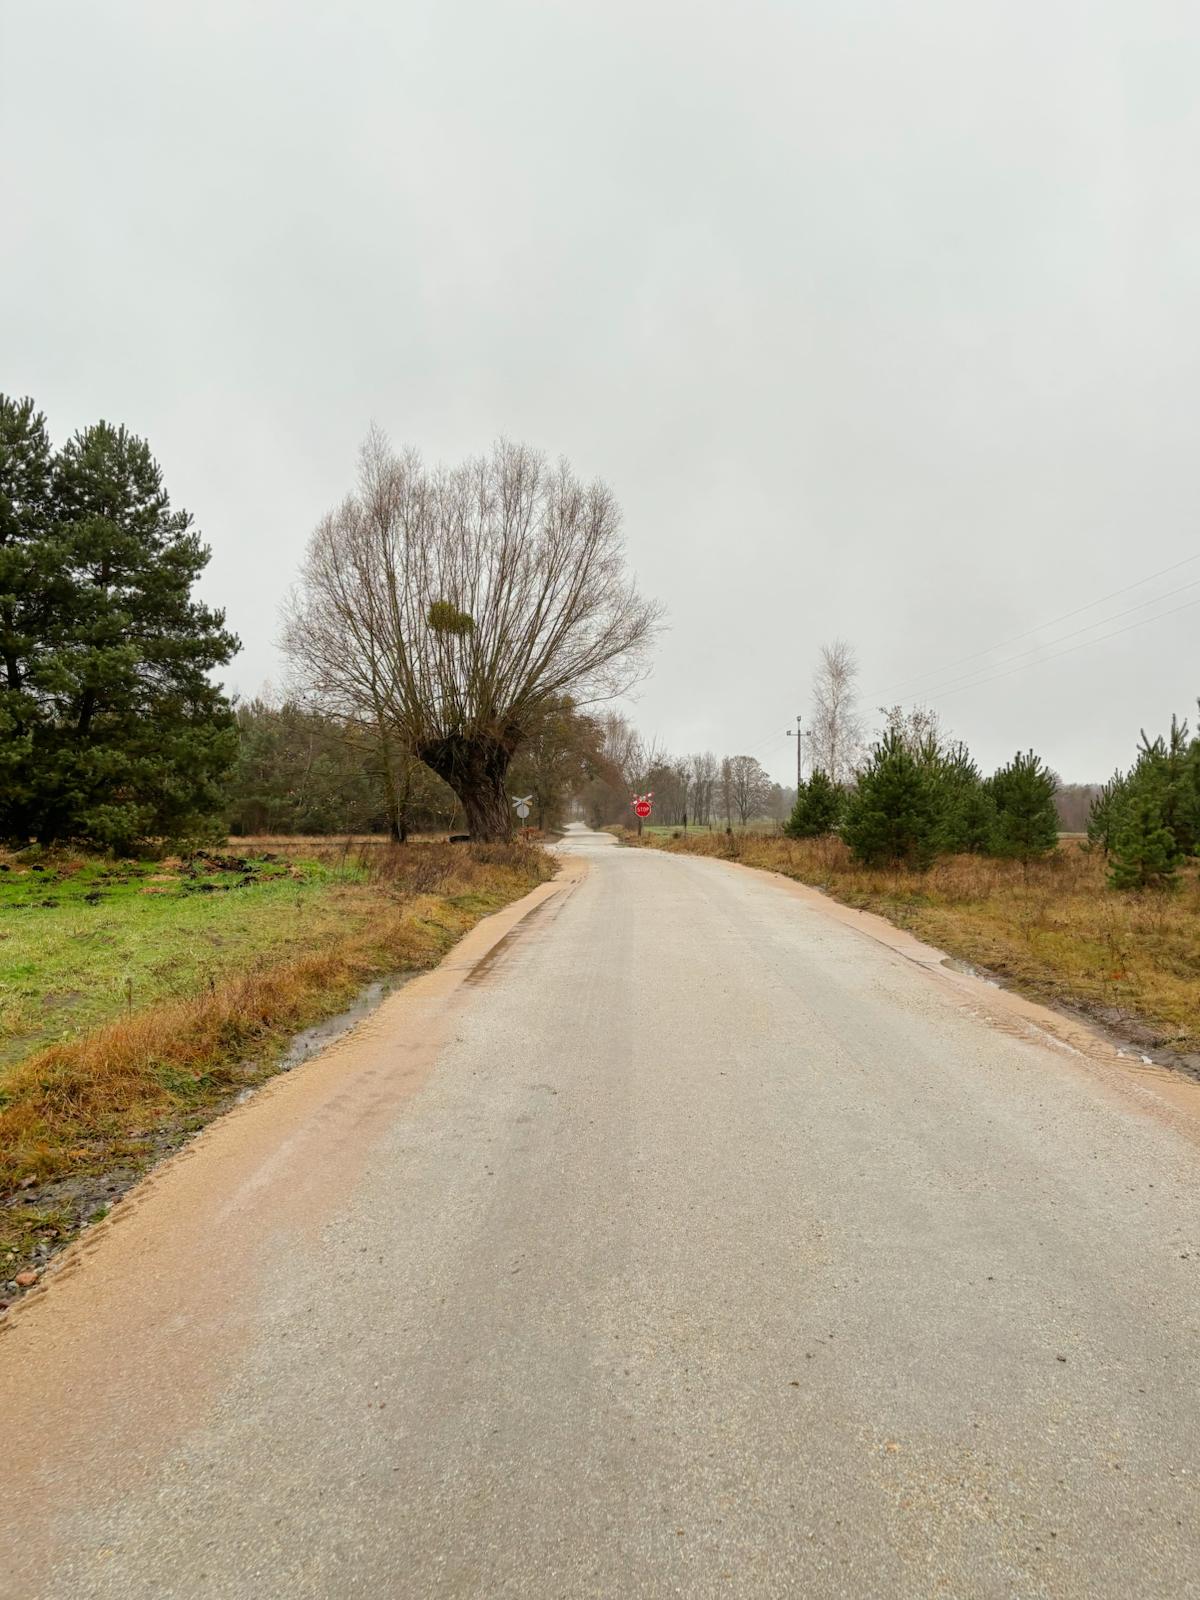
(880,319)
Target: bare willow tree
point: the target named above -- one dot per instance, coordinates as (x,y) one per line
(453,606)
(836,734)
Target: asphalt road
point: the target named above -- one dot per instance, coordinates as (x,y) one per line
(689,1240)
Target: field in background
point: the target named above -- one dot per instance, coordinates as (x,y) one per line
(1056,931)
(139,998)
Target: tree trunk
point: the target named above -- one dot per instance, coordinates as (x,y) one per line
(476,766)
(397,830)
(403,800)
(489,814)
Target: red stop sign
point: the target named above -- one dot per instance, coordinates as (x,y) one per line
(642,808)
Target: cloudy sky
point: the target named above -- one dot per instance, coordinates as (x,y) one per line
(881,319)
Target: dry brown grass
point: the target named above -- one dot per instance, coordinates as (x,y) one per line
(1055,931)
(323,843)
(103,1100)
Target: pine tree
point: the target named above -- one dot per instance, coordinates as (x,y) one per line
(894,814)
(1192,786)
(1026,821)
(968,813)
(1145,853)
(28,578)
(1168,766)
(818,808)
(119,733)
(1107,813)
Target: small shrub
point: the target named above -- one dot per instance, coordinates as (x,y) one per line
(893,815)
(818,808)
(1026,824)
(1145,854)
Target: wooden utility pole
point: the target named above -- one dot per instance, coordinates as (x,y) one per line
(795,733)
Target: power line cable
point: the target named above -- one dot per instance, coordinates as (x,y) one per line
(1074,633)
(1082,645)
(758,747)
(1041,626)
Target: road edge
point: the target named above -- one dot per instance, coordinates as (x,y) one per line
(1158,1089)
(475,948)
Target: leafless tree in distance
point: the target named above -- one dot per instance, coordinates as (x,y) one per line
(749,787)
(836,733)
(918,727)
(725,782)
(453,605)
(704,772)
(625,760)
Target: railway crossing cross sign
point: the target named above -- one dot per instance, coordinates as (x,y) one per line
(522,804)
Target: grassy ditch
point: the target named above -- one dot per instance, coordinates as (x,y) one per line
(140,998)
(1054,931)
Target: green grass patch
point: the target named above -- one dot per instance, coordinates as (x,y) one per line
(83,942)
(141,998)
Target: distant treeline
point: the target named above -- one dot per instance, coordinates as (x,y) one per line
(299,770)
(1073,803)
(113,732)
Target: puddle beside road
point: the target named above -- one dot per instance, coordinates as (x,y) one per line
(965,967)
(322,1034)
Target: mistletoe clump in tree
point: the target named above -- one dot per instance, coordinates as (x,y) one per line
(455,609)
(111,728)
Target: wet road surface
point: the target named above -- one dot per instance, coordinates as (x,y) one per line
(678,1239)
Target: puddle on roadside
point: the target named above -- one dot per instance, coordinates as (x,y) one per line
(311,1041)
(969,971)
(1128,1049)
(322,1034)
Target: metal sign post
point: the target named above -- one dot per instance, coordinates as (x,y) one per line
(522,804)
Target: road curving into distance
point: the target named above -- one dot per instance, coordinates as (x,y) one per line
(680,1236)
